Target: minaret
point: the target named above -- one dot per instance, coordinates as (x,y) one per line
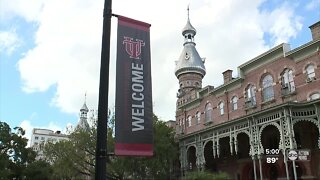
(190,68)
(83,123)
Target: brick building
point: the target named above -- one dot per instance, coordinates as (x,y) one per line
(248,125)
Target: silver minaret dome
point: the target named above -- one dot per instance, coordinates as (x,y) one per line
(189,60)
(189,29)
(84,108)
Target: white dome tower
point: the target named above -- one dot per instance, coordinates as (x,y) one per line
(190,68)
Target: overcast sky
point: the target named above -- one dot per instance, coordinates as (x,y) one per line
(50,50)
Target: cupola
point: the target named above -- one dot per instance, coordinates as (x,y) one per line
(189,60)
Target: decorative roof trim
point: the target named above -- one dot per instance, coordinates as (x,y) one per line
(263,55)
(234,83)
(195,69)
(264,58)
(300,48)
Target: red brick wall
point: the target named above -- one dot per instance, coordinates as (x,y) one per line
(303,91)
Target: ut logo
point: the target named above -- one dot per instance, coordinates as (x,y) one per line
(133,48)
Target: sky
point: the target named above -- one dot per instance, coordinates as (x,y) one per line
(50,50)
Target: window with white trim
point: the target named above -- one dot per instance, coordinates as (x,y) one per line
(182,123)
(314,96)
(221,108)
(287,80)
(234,103)
(267,88)
(208,113)
(198,117)
(310,71)
(189,121)
(250,96)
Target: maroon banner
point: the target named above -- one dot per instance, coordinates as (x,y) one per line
(133,123)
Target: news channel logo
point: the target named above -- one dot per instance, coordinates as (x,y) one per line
(298,155)
(292,155)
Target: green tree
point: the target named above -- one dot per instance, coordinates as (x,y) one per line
(75,158)
(205,175)
(160,166)
(38,170)
(14,155)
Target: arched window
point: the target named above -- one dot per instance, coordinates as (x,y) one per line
(267,88)
(234,103)
(221,108)
(310,72)
(250,96)
(189,121)
(287,81)
(314,96)
(208,113)
(182,123)
(198,116)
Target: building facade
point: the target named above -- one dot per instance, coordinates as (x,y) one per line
(171,124)
(40,136)
(251,124)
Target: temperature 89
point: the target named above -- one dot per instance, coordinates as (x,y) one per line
(272,159)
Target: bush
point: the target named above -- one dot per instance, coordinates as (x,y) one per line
(205,175)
